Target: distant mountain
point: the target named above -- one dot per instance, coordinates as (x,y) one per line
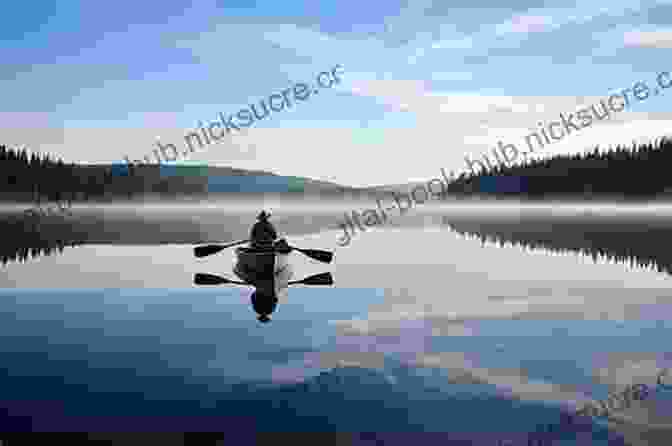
(25,177)
(397,188)
(36,178)
(358,399)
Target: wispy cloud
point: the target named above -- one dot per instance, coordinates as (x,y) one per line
(525,24)
(476,74)
(648,39)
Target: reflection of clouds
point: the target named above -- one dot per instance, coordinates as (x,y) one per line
(509,382)
(297,370)
(447,317)
(623,368)
(314,362)
(409,341)
(410,338)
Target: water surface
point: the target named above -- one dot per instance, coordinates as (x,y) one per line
(481,322)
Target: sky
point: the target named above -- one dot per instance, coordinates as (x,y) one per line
(424,84)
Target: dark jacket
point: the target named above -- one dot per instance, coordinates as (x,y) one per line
(263,234)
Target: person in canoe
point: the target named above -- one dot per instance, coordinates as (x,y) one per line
(264,265)
(263,233)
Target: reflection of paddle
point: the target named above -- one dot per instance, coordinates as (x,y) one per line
(316,279)
(211,279)
(317,254)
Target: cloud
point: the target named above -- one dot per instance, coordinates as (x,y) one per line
(452,76)
(458,43)
(525,24)
(392,91)
(491,36)
(444,126)
(648,39)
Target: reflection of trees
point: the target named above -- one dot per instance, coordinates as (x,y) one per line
(23,253)
(24,238)
(632,243)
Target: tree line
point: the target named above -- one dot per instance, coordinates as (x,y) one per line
(26,177)
(38,177)
(636,172)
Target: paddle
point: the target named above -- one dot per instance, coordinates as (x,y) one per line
(211,279)
(317,254)
(206,250)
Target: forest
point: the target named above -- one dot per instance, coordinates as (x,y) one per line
(35,178)
(634,173)
(638,172)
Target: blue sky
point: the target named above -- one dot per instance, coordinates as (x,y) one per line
(424,84)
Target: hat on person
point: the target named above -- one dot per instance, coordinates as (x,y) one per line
(263,215)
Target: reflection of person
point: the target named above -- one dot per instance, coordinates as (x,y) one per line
(267,292)
(263,233)
(264,304)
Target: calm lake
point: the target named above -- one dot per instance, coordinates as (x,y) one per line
(468,322)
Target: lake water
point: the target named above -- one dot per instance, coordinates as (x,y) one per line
(427,329)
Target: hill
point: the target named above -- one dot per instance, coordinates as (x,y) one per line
(638,173)
(36,178)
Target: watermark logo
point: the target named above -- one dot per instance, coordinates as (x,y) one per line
(216,130)
(572,122)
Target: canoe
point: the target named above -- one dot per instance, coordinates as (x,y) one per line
(263,268)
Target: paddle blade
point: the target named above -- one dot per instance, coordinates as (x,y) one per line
(317,279)
(319,255)
(209,279)
(206,250)
(202,251)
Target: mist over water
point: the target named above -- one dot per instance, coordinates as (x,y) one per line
(454,297)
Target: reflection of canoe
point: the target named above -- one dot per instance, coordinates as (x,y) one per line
(263,268)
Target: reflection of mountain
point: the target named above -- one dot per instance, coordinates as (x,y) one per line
(632,242)
(345,399)
(358,399)
(23,239)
